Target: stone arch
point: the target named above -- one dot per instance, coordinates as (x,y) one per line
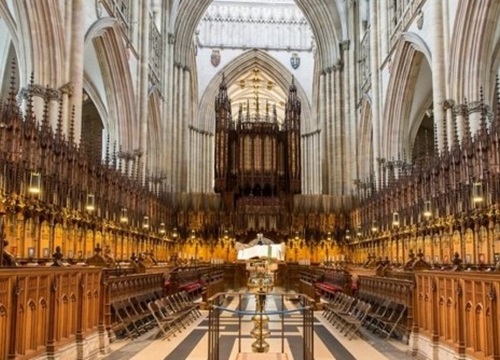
(41,25)
(410,72)
(475,50)
(241,65)
(365,145)
(9,52)
(117,95)
(323,17)
(154,153)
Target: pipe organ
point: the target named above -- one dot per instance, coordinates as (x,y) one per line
(257,165)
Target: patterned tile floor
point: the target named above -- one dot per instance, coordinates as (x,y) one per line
(192,343)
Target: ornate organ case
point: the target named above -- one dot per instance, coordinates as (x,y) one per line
(257,159)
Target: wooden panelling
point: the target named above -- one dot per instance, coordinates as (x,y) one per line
(461,310)
(44,308)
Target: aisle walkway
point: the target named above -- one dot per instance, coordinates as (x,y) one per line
(192,343)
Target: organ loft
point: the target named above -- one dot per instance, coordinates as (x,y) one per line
(241,179)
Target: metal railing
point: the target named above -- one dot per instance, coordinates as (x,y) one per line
(216,308)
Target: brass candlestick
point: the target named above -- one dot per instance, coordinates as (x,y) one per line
(260,283)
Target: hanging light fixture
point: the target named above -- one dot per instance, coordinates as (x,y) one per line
(35,183)
(477,192)
(395,219)
(374,226)
(427,209)
(358,232)
(347,234)
(145,222)
(124,215)
(90,204)
(162,230)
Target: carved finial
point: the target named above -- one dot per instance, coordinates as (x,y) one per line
(293,88)
(107,159)
(59,126)
(29,104)
(496,121)
(12,86)
(248,110)
(467,131)
(134,170)
(45,118)
(456,141)
(436,144)
(482,124)
(71,131)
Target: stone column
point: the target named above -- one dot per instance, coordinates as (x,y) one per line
(175,127)
(76,64)
(475,108)
(143,87)
(438,73)
(191,172)
(460,113)
(384,45)
(337,125)
(374,68)
(324,123)
(317,178)
(448,104)
(349,111)
(166,74)
(186,119)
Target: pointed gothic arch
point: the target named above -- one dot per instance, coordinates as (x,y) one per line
(154,151)
(241,65)
(365,144)
(42,27)
(117,94)
(411,78)
(475,50)
(323,17)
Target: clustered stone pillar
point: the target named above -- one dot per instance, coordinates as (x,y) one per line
(438,74)
(375,84)
(144,82)
(76,65)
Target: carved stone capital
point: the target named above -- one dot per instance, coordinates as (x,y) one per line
(171,39)
(138,152)
(39,91)
(339,66)
(448,104)
(460,109)
(126,156)
(52,94)
(67,89)
(344,45)
(475,106)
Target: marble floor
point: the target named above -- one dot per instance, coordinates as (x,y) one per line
(192,343)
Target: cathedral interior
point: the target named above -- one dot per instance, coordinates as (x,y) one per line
(250,179)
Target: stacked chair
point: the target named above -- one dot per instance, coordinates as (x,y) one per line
(138,314)
(131,315)
(173,313)
(375,313)
(346,313)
